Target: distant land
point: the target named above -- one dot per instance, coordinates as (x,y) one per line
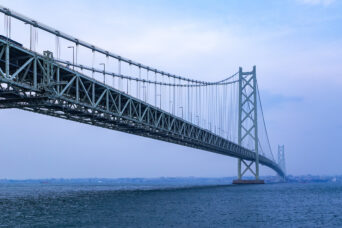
(174,181)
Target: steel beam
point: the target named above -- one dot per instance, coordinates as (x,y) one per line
(71,95)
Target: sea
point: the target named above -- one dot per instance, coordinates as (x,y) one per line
(165,203)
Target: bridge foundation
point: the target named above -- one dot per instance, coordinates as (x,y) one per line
(248,181)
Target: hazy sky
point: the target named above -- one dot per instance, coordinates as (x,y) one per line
(295,44)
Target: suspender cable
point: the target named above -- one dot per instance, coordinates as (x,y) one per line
(130,72)
(169,94)
(155,89)
(76,53)
(57,44)
(188,90)
(93,63)
(119,78)
(147,86)
(160,92)
(174,97)
(139,85)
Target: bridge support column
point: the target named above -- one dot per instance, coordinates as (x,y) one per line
(281,158)
(248,125)
(239,169)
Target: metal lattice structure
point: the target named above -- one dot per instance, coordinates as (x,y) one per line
(248,125)
(41,83)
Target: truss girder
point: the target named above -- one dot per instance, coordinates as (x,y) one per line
(38,84)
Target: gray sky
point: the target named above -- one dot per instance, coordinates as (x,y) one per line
(296,45)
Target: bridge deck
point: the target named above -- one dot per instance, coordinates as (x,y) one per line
(37,83)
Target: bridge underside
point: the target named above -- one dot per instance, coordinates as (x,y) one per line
(36,83)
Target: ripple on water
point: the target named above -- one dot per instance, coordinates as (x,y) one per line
(270,205)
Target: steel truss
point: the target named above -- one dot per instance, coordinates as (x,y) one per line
(37,83)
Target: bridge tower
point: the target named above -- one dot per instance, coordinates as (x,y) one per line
(281,157)
(248,125)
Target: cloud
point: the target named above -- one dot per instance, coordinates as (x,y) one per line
(273,100)
(297,55)
(317,2)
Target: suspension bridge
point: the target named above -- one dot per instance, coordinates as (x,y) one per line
(65,77)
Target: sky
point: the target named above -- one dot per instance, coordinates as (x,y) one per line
(295,44)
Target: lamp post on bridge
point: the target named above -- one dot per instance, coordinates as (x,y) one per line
(181,107)
(159,95)
(73,57)
(144,93)
(170,105)
(104,72)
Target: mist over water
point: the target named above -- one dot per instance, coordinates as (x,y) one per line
(112,205)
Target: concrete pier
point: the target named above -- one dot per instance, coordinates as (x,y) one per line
(248,181)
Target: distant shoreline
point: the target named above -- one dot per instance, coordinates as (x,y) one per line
(175,180)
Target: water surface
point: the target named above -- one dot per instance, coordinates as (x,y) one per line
(113,205)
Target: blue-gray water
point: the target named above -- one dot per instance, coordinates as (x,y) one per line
(113,205)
